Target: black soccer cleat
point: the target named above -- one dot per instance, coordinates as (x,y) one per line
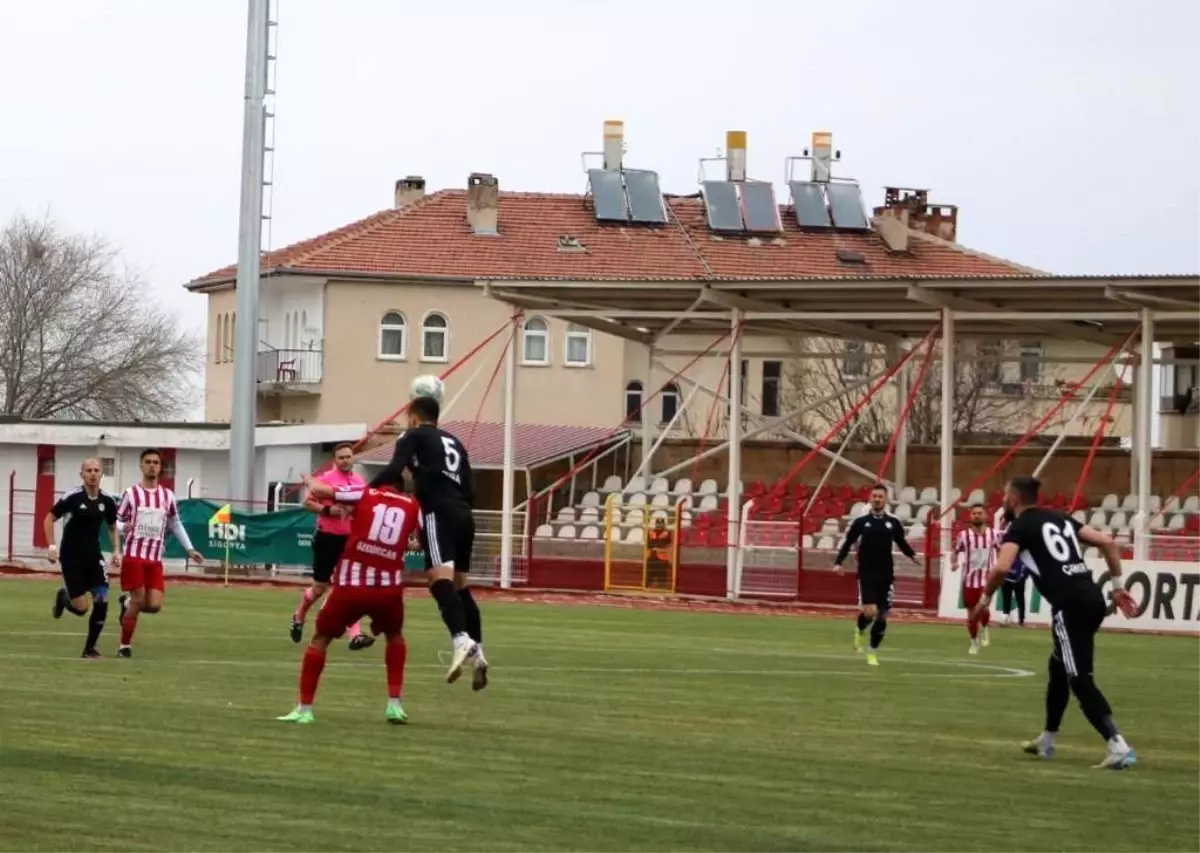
(91,654)
(362,641)
(60,603)
(297,632)
(125,652)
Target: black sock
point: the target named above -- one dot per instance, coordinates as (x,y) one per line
(451,606)
(1020,592)
(471,614)
(96,623)
(863,621)
(1058,694)
(877,631)
(1095,706)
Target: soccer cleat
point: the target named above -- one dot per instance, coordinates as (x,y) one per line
(974,649)
(872,659)
(479,678)
(1038,747)
(60,603)
(396,715)
(1120,759)
(860,639)
(91,654)
(362,641)
(297,632)
(984,639)
(124,652)
(298,715)
(462,650)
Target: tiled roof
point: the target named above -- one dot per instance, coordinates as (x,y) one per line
(533,443)
(431,238)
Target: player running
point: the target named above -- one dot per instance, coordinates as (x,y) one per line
(369,581)
(879,530)
(146,510)
(442,479)
(333,527)
(1048,541)
(86,509)
(976,549)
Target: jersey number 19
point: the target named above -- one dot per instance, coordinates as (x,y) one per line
(387,524)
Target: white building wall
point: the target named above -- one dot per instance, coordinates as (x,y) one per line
(21,459)
(292,313)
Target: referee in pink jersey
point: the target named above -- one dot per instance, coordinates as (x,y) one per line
(333,528)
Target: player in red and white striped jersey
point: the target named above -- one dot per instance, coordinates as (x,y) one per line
(146,511)
(367,581)
(976,549)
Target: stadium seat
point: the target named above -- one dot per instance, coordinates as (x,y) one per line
(844,493)
(1099,519)
(708,487)
(565,515)
(1191,504)
(1177,522)
(1172,504)
(683,486)
(826,543)
(1192,525)
(923,513)
(1080,515)
(908,494)
(800,491)
(614,535)
(996,498)
(756,489)
(976,497)
(659,513)
(1130,503)
(567,531)
(589,514)
(830,527)
(661,500)
(1155,503)
(858,509)
(916,534)
(590,499)
(591,532)
(806,541)
(617,517)
(660,484)
(863,493)
(929,495)
(716,537)
(636,499)
(955,495)
(635,517)
(1118,520)
(904,512)
(836,508)
(637,484)
(1111,502)
(634,536)
(1158,522)
(544,531)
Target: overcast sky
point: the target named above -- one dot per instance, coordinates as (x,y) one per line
(1067,131)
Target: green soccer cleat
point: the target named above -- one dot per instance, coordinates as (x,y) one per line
(396,715)
(860,639)
(872,659)
(298,715)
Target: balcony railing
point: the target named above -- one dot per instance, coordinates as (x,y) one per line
(290,366)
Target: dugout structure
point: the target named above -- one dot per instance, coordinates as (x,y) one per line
(641,546)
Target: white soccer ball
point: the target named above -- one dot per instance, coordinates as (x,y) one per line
(427,386)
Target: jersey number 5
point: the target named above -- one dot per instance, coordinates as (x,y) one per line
(387,524)
(453,457)
(1063,546)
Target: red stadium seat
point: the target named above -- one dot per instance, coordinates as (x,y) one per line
(800,491)
(863,493)
(756,489)
(845,492)
(716,537)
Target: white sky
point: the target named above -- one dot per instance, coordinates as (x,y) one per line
(1067,131)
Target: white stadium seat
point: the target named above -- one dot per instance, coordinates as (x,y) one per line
(683,486)
(566,514)
(707,503)
(708,487)
(1130,503)
(908,494)
(1192,504)
(634,536)
(1080,516)
(858,509)
(806,541)
(929,495)
(916,534)
(1172,504)
(612,483)
(544,531)
(659,513)
(923,512)
(590,532)
(904,512)
(662,499)
(976,497)
(589,514)
(1155,503)
(825,543)
(1110,502)
(636,499)
(1177,522)
(1158,522)
(635,518)
(567,531)
(591,499)
(637,484)
(1099,519)
(830,527)
(660,484)
(1118,520)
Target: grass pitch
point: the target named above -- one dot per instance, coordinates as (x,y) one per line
(603,729)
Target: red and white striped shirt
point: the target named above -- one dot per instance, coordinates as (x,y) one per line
(979,552)
(146,514)
(380,528)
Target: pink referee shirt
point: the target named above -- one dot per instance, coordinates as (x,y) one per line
(335,478)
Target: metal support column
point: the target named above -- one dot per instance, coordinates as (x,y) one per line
(243,414)
(1135,423)
(903,386)
(734,491)
(946,486)
(1145,411)
(647,422)
(507,478)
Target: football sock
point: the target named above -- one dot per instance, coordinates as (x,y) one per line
(395,656)
(128,626)
(310,674)
(1095,707)
(306,601)
(471,614)
(973,628)
(1117,743)
(450,605)
(877,631)
(985,618)
(1058,694)
(96,623)
(863,621)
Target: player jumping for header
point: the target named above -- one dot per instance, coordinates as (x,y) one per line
(368,581)
(1048,542)
(441,475)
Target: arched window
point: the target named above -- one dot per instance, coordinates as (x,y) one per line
(393,336)
(218,338)
(287,330)
(231,338)
(536,342)
(304,341)
(435,337)
(295,330)
(579,345)
(670,403)
(633,402)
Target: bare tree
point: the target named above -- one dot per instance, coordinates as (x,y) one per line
(80,336)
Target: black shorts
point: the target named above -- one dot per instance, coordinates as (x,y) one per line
(876,589)
(449,538)
(83,574)
(1075,626)
(327,550)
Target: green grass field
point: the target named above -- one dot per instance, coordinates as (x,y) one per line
(604,729)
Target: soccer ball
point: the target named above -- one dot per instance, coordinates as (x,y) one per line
(427,386)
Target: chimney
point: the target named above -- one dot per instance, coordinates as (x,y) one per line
(483,204)
(735,155)
(940,220)
(892,226)
(408,190)
(614,144)
(822,156)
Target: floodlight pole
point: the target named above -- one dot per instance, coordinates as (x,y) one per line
(243,416)
(1145,411)
(508,474)
(734,510)
(946,485)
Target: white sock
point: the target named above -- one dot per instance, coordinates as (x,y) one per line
(393,703)
(461,640)
(305,709)
(1048,738)
(1116,743)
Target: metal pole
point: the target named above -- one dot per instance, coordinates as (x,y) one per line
(1145,393)
(243,414)
(1062,435)
(647,428)
(734,491)
(506,484)
(900,460)
(947,478)
(1135,400)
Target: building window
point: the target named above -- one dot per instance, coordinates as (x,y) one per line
(989,365)
(536,341)
(1031,361)
(107,466)
(772,380)
(579,345)
(435,332)
(227,343)
(393,334)
(854,359)
(745,376)
(633,402)
(218,340)
(670,403)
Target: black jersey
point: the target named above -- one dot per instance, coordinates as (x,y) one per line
(440,468)
(85,516)
(876,534)
(1050,550)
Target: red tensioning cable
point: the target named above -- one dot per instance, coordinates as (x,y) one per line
(1096,439)
(491,381)
(1041,424)
(846,418)
(908,405)
(712,408)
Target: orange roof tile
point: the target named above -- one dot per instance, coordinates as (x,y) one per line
(431,238)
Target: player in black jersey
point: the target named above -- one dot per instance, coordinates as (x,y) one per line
(877,533)
(1049,544)
(86,509)
(441,474)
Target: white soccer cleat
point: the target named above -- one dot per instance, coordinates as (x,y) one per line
(974,649)
(1039,746)
(1007,618)
(1118,759)
(464,647)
